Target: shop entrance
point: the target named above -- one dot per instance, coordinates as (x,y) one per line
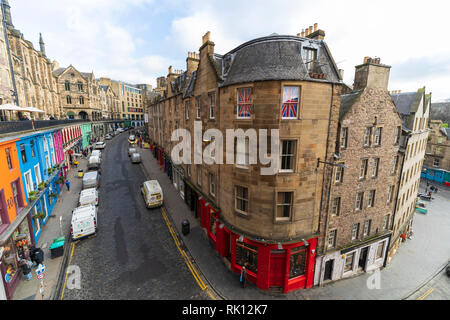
(277,268)
(328,270)
(363,259)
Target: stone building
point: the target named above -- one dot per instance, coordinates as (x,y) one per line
(437,154)
(414,108)
(109,103)
(288,83)
(36,87)
(6,86)
(131,106)
(79,93)
(359,200)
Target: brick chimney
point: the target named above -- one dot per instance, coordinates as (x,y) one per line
(371,74)
(192,61)
(313,32)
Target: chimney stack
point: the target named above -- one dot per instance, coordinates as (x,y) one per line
(303,33)
(313,32)
(371,74)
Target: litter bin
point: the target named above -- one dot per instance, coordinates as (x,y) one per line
(57,248)
(185,227)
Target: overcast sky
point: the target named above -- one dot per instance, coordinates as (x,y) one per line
(137,40)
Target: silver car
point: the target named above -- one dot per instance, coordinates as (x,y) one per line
(131,151)
(136,157)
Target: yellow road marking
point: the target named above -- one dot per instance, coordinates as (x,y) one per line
(67,273)
(426,294)
(188,262)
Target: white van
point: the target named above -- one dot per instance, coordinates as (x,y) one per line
(152,193)
(93,163)
(84,221)
(96,153)
(91,179)
(88,196)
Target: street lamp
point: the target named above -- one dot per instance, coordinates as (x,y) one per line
(340,165)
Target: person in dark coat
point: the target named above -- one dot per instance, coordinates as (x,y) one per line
(25,265)
(37,255)
(243,278)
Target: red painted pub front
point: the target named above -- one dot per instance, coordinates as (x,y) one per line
(287,266)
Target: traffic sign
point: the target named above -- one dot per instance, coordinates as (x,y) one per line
(40,276)
(40,269)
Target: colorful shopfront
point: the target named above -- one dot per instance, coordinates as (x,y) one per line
(15,237)
(285,266)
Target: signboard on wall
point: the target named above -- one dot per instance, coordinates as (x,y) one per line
(146,117)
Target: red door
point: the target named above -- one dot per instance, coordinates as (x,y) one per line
(277,268)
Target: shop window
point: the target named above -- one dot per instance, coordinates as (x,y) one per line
(380,250)
(289,109)
(244,103)
(212,223)
(247,254)
(349,262)
(298,262)
(9,261)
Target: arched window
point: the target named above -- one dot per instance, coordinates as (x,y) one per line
(68,100)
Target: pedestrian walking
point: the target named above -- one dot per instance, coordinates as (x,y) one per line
(68,185)
(37,256)
(26,265)
(243,278)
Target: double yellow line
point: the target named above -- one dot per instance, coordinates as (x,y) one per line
(189,264)
(67,272)
(426,294)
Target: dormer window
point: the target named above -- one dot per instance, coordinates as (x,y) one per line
(309,58)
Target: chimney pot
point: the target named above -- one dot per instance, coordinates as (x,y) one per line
(206,37)
(303,32)
(306,32)
(310,29)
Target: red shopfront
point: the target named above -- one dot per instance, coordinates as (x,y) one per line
(287,266)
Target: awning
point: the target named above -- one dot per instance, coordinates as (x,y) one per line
(11,107)
(32,109)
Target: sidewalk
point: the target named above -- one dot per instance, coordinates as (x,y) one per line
(67,201)
(414,263)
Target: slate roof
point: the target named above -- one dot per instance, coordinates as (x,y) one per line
(347,101)
(276,57)
(58,71)
(404,102)
(440,111)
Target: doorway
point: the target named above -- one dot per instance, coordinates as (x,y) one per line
(363,259)
(328,270)
(277,268)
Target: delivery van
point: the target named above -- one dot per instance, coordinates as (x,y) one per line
(91,179)
(88,196)
(84,221)
(152,193)
(94,163)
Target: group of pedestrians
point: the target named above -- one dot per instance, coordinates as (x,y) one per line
(36,258)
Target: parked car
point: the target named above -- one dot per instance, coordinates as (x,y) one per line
(91,179)
(84,221)
(88,197)
(94,163)
(131,151)
(108,137)
(152,193)
(96,153)
(100,145)
(136,157)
